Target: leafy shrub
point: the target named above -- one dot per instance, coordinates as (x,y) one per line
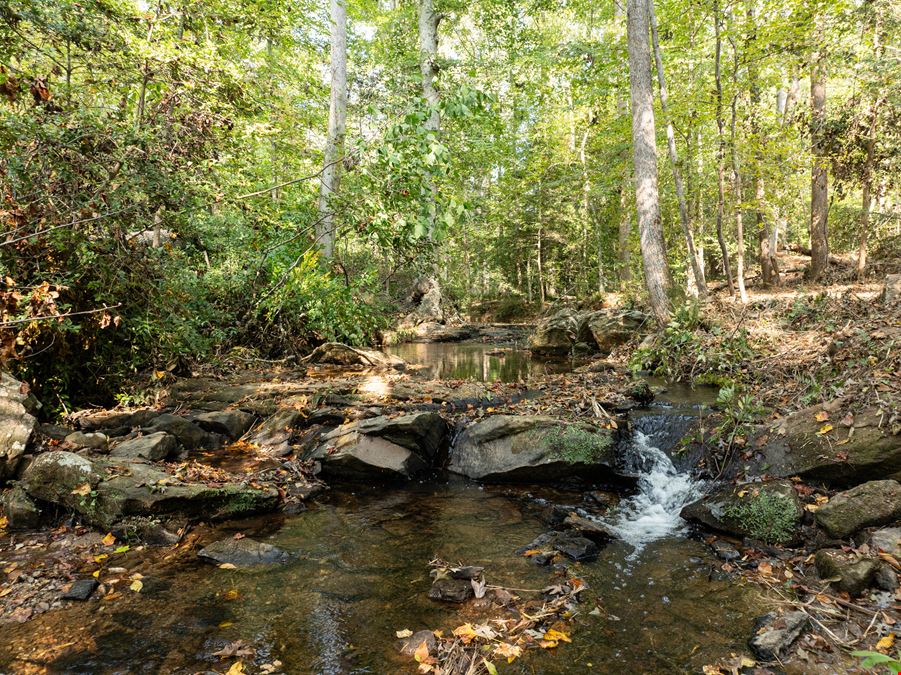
(768,517)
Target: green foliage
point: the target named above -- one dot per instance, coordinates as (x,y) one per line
(689,348)
(890,664)
(768,517)
(739,411)
(577,446)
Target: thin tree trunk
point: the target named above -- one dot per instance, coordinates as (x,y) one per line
(428,65)
(867,181)
(644,150)
(721,147)
(819,187)
(337,119)
(737,188)
(586,203)
(157,240)
(700,283)
(625,218)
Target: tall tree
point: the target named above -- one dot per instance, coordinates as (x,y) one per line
(644,151)
(334,145)
(428,65)
(700,284)
(819,190)
(625,217)
(736,184)
(721,143)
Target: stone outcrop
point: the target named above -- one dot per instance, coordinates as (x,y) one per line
(611,328)
(243,552)
(532,448)
(382,447)
(155,447)
(16,424)
(104,491)
(854,573)
(875,503)
(602,330)
(795,446)
(556,335)
(774,633)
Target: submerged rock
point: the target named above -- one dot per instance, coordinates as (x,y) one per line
(104,491)
(449,589)
(155,447)
(16,424)
(81,590)
(532,448)
(569,543)
(243,553)
(382,447)
(774,633)
(875,503)
(411,643)
(795,447)
(767,511)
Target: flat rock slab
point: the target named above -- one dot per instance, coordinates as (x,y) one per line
(155,447)
(571,544)
(875,503)
(81,590)
(774,634)
(243,553)
(229,423)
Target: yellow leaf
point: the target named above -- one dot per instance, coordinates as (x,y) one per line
(531,552)
(746,662)
(96,574)
(4,521)
(890,559)
(122,549)
(405,633)
(227,566)
(108,540)
(885,643)
(765,568)
(465,632)
(825,429)
(136,585)
(822,416)
(230,594)
(101,557)
(742,493)
(82,490)
(236,669)
(226,624)
(510,652)
(556,635)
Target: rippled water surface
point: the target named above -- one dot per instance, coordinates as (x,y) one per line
(361,574)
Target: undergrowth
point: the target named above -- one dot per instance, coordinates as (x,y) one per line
(768,517)
(577,446)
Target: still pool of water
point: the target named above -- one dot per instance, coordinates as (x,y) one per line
(482,362)
(361,574)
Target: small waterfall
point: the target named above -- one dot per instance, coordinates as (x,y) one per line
(653,512)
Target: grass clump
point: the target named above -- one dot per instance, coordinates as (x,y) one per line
(768,517)
(577,446)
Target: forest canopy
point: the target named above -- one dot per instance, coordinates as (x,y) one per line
(179,178)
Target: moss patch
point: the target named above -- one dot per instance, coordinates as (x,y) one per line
(577,446)
(768,517)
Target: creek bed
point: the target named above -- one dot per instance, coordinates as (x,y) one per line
(360,575)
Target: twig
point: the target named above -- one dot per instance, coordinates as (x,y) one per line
(6,324)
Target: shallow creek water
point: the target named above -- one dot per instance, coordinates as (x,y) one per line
(360,574)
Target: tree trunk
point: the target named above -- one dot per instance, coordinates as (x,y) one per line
(428,66)
(625,218)
(700,285)
(819,190)
(644,150)
(867,180)
(721,147)
(337,118)
(737,188)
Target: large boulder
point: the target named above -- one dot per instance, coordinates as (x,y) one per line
(611,328)
(190,435)
(16,425)
(875,503)
(426,299)
(21,512)
(229,423)
(767,511)
(556,335)
(844,456)
(106,491)
(532,448)
(891,292)
(382,447)
(335,353)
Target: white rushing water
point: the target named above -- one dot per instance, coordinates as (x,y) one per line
(653,513)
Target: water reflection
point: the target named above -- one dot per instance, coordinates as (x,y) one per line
(476,361)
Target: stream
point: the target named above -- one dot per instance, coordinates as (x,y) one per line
(360,574)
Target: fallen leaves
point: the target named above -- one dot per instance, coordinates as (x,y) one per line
(136,585)
(405,633)
(109,539)
(825,429)
(885,643)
